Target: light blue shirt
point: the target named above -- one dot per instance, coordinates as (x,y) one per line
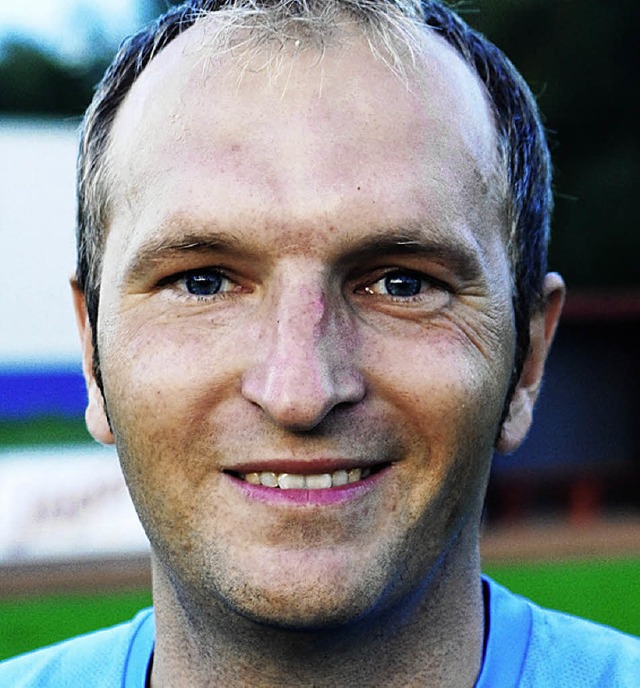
(527,647)
(117,657)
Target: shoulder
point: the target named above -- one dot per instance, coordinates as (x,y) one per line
(556,649)
(583,653)
(97,660)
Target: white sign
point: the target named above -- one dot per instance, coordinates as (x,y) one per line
(37,244)
(65,503)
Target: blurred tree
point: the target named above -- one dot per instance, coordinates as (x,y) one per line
(33,80)
(581,61)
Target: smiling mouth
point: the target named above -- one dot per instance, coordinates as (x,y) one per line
(312,481)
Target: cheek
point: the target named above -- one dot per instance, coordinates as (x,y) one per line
(160,389)
(440,376)
(449,398)
(162,369)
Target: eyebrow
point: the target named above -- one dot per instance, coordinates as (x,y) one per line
(415,241)
(407,241)
(159,249)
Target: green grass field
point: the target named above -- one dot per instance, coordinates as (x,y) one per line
(604,591)
(43,430)
(608,592)
(34,622)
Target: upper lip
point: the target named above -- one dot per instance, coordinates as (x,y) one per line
(298,467)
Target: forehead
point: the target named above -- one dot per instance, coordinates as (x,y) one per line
(300,127)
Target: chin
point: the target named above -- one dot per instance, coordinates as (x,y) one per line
(287,597)
(289,613)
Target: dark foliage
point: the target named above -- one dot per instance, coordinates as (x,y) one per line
(33,81)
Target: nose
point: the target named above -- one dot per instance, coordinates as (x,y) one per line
(305,363)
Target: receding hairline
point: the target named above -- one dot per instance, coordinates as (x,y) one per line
(404,49)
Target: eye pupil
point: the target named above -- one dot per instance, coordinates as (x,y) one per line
(203,284)
(403,285)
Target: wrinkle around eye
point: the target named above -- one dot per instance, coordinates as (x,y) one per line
(373,300)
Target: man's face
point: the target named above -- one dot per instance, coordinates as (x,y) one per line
(305,283)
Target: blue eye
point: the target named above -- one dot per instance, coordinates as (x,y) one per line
(403,285)
(203,283)
(400,285)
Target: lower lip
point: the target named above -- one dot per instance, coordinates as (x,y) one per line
(326,497)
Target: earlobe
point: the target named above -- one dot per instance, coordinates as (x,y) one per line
(95,414)
(542,330)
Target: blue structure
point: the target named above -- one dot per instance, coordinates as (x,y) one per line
(28,392)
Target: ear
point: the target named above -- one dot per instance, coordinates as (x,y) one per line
(95,415)
(542,329)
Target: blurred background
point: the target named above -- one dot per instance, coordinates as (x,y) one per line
(563,513)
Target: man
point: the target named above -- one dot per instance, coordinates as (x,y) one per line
(312,299)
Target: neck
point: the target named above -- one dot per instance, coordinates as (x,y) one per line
(435,637)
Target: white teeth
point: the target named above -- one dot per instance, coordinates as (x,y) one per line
(268,479)
(340,478)
(288,481)
(320,481)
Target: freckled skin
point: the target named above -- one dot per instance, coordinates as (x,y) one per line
(297,360)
